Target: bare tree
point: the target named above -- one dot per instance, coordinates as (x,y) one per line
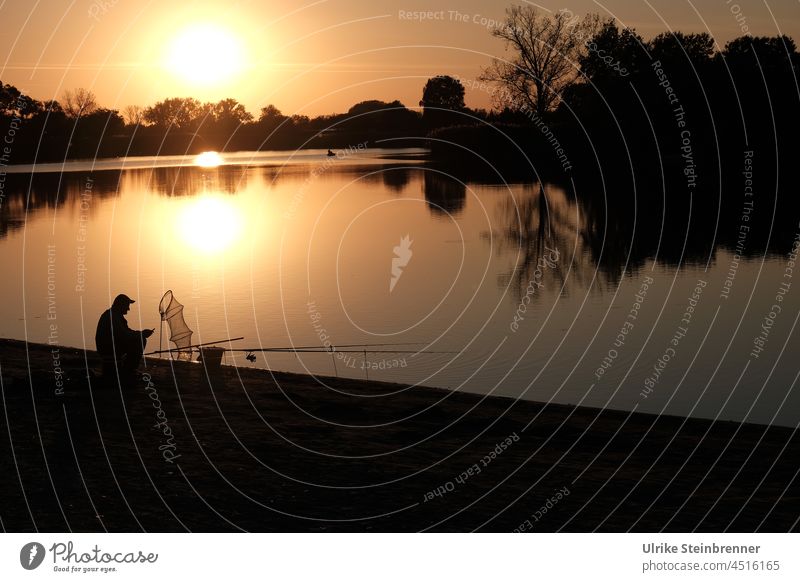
(545,51)
(79,102)
(133,115)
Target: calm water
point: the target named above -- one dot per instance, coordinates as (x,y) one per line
(296,250)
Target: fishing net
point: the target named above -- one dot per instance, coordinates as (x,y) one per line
(180,334)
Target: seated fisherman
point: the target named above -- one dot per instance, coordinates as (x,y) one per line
(119,346)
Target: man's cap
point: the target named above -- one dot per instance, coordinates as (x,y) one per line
(123,299)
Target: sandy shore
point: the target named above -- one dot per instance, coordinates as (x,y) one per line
(244,449)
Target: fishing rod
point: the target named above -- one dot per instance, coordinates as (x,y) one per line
(171,312)
(185,348)
(323,350)
(336,348)
(285,349)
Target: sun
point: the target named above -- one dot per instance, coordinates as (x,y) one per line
(208,160)
(205,54)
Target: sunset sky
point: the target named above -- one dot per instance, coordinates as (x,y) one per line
(309,58)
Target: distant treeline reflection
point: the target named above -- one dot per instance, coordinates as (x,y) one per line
(601,228)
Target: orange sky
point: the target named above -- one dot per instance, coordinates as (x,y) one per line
(313,57)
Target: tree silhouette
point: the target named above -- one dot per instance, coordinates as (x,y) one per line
(545,52)
(226,117)
(176,113)
(9,96)
(300,120)
(443,92)
(78,102)
(440,96)
(230,112)
(101,122)
(133,115)
(677,47)
(623,47)
(374,115)
(270,114)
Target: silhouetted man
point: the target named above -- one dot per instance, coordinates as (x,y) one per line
(118,345)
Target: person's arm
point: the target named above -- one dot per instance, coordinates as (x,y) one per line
(122,333)
(133,333)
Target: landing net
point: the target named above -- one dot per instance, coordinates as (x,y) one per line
(180,334)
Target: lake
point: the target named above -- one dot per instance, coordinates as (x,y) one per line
(530,288)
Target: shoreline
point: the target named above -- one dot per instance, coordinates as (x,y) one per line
(296,376)
(246,448)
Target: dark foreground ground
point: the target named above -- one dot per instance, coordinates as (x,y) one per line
(260,452)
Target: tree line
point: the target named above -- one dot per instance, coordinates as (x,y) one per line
(77,127)
(570,86)
(604,95)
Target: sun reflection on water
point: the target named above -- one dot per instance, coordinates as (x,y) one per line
(210,223)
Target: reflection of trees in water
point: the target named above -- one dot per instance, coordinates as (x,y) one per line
(618,220)
(395,179)
(538,222)
(188,180)
(28,194)
(607,241)
(596,246)
(444,194)
(9,223)
(602,236)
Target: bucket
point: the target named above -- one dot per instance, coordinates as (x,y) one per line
(211,358)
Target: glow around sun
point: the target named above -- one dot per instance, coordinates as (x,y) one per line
(205,54)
